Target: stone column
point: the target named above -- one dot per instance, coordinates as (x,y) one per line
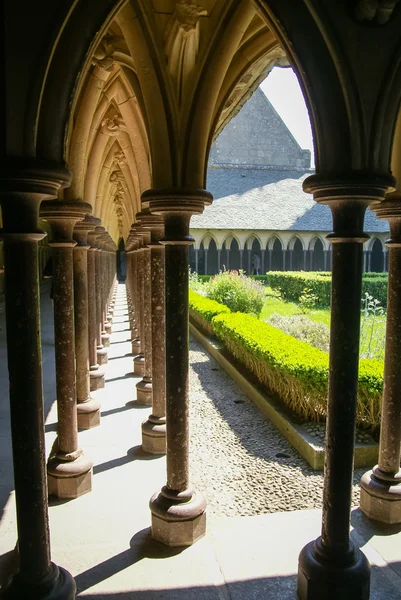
(228,258)
(96,375)
(88,409)
(332,566)
(102,244)
(196,260)
(365,261)
(270,258)
(385,260)
(178,510)
(381,487)
(249,260)
(305,259)
(136,340)
(22,187)
(284,257)
(139,360)
(263,251)
(290,252)
(218,259)
(144,387)
(101,351)
(241,258)
(154,428)
(69,471)
(325,258)
(205,254)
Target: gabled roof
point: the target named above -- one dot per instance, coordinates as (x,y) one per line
(266,199)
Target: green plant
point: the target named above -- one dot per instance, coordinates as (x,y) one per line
(294,370)
(237,291)
(307,301)
(195,282)
(372,328)
(292,285)
(304,329)
(202,310)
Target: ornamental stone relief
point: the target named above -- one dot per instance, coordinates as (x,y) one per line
(182,41)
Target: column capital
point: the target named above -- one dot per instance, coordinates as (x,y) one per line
(155,224)
(348,195)
(92,234)
(390,210)
(62,217)
(24,184)
(82,230)
(177,205)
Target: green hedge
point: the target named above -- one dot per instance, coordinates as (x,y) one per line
(294,370)
(202,310)
(291,285)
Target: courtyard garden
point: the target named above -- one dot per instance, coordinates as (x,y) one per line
(278,327)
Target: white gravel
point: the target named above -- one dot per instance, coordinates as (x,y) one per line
(238,459)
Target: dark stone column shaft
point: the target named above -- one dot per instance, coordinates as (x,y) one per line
(92,309)
(81,322)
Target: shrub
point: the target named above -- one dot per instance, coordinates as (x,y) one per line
(202,310)
(373,326)
(292,284)
(304,329)
(237,291)
(294,370)
(195,282)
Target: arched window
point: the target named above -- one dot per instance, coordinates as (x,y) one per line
(297,257)
(318,256)
(376,257)
(277,256)
(212,266)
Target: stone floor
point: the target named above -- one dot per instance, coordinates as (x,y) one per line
(103,537)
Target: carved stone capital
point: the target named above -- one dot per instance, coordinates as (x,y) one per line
(82,229)
(120,158)
(62,217)
(113,126)
(188,13)
(390,210)
(348,196)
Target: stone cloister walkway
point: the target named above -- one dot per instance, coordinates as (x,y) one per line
(238,460)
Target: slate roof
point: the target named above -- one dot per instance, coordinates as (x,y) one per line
(266,199)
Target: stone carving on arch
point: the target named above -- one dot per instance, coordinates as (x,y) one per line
(182,42)
(113,126)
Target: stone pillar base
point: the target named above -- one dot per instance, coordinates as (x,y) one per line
(136,345)
(144,392)
(69,479)
(139,365)
(106,340)
(178,519)
(96,380)
(102,357)
(318,579)
(107,329)
(88,414)
(380,500)
(59,584)
(154,435)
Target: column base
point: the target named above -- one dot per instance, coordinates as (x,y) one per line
(96,380)
(105,340)
(139,365)
(154,435)
(178,519)
(108,328)
(59,584)
(88,413)
(136,346)
(380,498)
(102,357)
(69,479)
(144,392)
(319,578)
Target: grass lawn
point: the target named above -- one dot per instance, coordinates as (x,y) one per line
(373,329)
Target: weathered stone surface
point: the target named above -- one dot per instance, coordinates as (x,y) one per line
(178,533)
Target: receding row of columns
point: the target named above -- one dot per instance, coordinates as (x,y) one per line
(157,285)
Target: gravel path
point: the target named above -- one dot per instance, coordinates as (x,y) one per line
(238,459)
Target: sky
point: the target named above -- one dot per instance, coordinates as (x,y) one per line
(282,89)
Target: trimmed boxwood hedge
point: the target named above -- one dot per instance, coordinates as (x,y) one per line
(294,370)
(291,285)
(202,310)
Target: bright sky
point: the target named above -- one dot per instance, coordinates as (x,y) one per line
(282,89)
